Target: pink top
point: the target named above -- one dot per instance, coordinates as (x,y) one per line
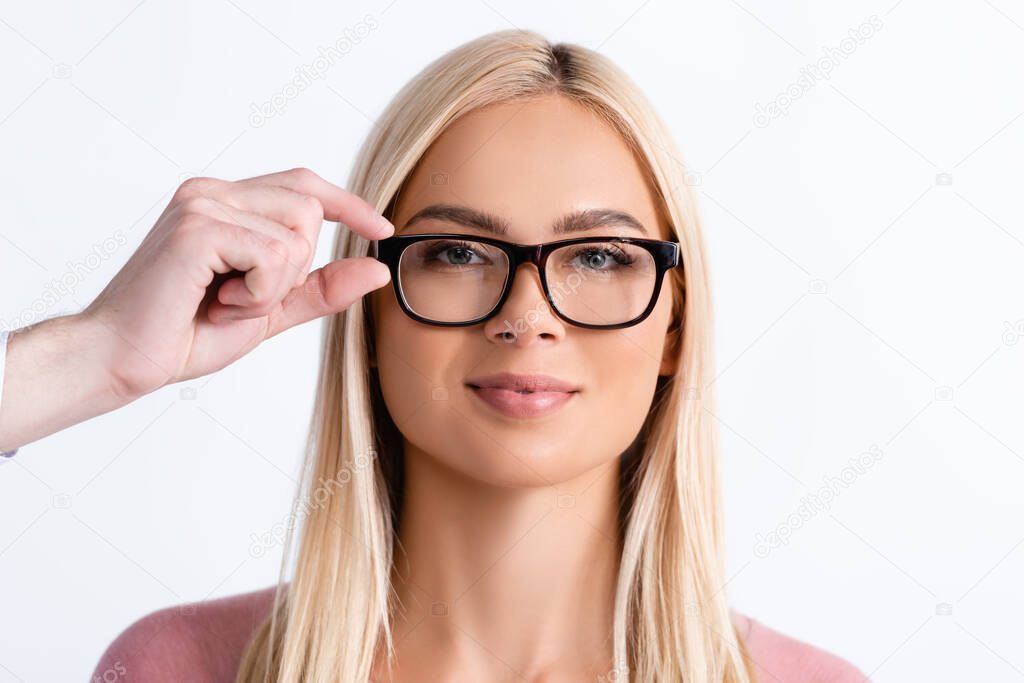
(203,643)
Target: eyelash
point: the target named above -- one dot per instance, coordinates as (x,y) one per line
(443,246)
(622,259)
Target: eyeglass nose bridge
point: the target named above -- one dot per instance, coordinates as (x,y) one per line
(537,254)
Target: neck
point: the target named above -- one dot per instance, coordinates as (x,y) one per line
(501,583)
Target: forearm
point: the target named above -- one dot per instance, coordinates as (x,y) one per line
(57,374)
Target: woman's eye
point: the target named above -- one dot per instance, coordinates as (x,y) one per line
(603,259)
(459,256)
(454,255)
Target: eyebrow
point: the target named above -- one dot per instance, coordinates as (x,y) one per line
(576,221)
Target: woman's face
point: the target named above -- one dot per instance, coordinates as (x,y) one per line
(528,163)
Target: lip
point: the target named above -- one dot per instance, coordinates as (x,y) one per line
(517,382)
(502,392)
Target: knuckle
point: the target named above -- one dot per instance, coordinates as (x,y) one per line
(196,186)
(195,205)
(313,210)
(277,246)
(277,251)
(304,174)
(303,249)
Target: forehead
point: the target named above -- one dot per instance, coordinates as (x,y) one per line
(530,162)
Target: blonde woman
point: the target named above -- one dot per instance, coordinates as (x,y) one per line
(511,475)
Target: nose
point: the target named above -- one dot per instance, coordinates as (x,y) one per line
(526,317)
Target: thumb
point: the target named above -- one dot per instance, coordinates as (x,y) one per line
(329,289)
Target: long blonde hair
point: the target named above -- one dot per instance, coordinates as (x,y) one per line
(672,619)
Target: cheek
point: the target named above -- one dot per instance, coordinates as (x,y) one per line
(419,369)
(625,373)
(625,365)
(407,355)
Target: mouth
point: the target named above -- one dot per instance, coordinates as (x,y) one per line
(519,391)
(523,396)
(524,384)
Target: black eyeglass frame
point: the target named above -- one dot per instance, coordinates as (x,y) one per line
(389,251)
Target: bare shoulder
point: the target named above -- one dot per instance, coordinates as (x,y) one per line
(782,658)
(200,642)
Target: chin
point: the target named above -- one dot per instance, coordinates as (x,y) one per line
(525,467)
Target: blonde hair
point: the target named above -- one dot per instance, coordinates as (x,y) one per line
(672,620)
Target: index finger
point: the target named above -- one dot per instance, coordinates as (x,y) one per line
(339,204)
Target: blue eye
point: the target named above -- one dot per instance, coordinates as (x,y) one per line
(458,252)
(596,258)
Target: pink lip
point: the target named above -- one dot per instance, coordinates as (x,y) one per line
(502,392)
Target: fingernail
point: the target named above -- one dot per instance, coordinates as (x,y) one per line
(387,228)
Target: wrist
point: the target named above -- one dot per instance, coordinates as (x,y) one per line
(57,374)
(92,340)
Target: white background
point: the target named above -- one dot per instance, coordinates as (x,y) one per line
(861,299)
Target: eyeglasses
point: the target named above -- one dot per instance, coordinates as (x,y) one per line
(456,280)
